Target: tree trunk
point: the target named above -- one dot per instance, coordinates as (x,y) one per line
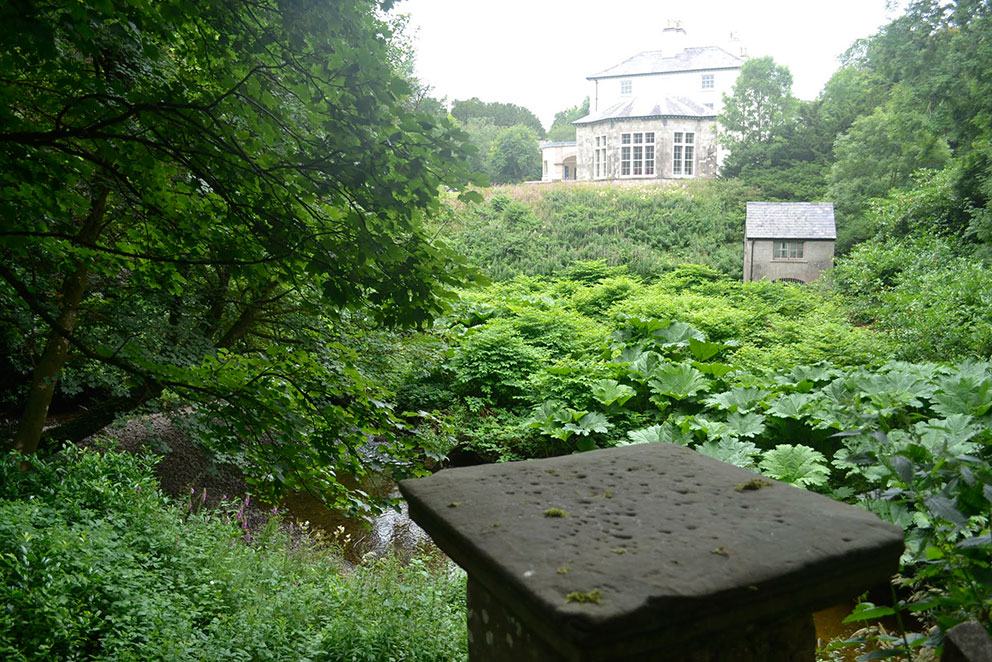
(46,373)
(101,415)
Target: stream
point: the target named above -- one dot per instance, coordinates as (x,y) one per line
(391,532)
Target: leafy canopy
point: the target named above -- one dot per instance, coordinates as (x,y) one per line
(201,197)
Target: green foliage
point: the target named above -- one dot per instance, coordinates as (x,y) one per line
(561,128)
(880,152)
(758,114)
(96,564)
(493,362)
(203,201)
(502,115)
(800,465)
(649,229)
(515,155)
(923,290)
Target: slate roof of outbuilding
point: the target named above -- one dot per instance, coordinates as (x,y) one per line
(656,62)
(636,107)
(790,220)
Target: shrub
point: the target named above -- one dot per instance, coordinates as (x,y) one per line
(95,564)
(493,362)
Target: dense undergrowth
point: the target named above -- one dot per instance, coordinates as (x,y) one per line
(872,387)
(543,230)
(95,564)
(799,383)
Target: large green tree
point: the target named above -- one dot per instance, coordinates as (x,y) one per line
(503,115)
(515,156)
(196,198)
(759,107)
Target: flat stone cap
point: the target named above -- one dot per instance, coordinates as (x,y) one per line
(646,537)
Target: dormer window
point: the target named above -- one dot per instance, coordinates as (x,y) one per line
(626,87)
(707,81)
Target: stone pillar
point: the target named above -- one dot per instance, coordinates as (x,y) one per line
(648,552)
(967,642)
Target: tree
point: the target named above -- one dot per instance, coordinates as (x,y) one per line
(515,155)
(503,115)
(561,129)
(881,151)
(197,199)
(481,134)
(758,109)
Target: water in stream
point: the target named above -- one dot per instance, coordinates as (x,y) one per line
(391,532)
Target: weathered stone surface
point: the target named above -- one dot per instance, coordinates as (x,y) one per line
(496,635)
(968,642)
(674,544)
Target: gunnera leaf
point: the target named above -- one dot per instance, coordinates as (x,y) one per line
(799,465)
(732,451)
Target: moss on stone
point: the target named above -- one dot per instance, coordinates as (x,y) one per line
(594,596)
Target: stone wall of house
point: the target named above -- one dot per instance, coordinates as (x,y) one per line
(759,263)
(664,129)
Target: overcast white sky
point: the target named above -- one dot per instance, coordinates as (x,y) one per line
(537,53)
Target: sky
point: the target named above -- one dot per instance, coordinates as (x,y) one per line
(537,53)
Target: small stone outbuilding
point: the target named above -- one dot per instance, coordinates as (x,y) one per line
(790,241)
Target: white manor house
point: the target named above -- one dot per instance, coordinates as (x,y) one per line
(653,116)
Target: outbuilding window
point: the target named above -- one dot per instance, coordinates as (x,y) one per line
(626,87)
(707,81)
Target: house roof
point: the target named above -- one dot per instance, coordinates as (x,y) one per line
(563,143)
(790,220)
(656,62)
(636,107)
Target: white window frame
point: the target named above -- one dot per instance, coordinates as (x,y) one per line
(789,249)
(599,157)
(708,82)
(626,87)
(684,154)
(637,154)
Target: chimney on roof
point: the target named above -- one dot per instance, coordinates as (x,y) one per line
(673,39)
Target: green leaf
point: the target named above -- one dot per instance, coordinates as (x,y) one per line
(903,467)
(609,391)
(470,196)
(865,611)
(732,451)
(665,433)
(716,369)
(677,333)
(646,364)
(737,399)
(703,350)
(678,381)
(790,405)
(745,425)
(591,422)
(964,395)
(586,444)
(799,465)
(941,506)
